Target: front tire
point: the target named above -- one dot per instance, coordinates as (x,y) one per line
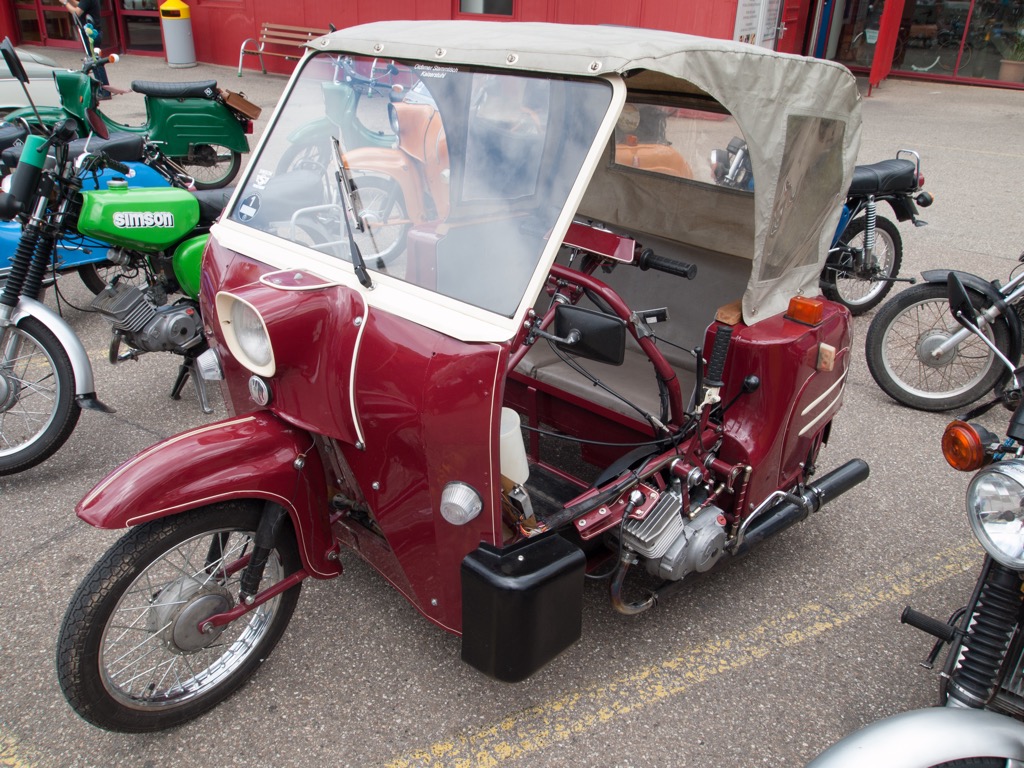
(916,321)
(861,290)
(38,410)
(129,656)
(212,166)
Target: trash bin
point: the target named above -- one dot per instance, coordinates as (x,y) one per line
(176,23)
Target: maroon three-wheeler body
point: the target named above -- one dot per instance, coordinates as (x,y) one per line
(572,365)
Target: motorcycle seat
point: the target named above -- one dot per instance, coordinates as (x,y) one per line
(202,89)
(212,202)
(124,147)
(887,176)
(12,134)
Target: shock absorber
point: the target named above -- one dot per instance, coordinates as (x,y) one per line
(992,623)
(869,231)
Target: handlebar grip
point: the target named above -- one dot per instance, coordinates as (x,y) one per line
(716,365)
(650,260)
(10,206)
(926,623)
(115,165)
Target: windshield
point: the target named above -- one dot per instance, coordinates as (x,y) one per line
(454,176)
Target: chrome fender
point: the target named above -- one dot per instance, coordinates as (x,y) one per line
(927,737)
(255,456)
(84,384)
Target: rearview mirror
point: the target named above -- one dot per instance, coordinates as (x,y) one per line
(597,336)
(13,62)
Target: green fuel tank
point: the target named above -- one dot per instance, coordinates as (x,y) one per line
(145,219)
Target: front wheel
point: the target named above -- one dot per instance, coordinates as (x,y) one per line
(211,165)
(131,656)
(38,410)
(857,285)
(905,334)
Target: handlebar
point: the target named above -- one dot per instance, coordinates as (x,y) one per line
(650,260)
(716,365)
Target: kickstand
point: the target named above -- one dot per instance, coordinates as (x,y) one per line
(186,371)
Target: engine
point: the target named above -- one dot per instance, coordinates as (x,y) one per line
(670,542)
(138,320)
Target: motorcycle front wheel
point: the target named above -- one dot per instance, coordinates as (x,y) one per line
(904,333)
(212,166)
(130,656)
(38,410)
(861,289)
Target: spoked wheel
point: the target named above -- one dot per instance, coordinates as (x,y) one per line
(211,165)
(38,410)
(131,655)
(860,287)
(381,207)
(96,276)
(905,334)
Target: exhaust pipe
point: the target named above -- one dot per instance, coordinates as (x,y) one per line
(794,509)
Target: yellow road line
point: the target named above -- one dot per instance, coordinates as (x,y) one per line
(10,753)
(532,729)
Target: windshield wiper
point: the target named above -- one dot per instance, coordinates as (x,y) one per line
(355,224)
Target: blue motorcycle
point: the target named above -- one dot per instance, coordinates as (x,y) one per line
(867,250)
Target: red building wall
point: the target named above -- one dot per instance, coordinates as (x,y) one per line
(220,26)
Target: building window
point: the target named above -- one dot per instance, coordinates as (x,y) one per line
(489,7)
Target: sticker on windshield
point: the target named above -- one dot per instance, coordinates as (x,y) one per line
(263,176)
(248,208)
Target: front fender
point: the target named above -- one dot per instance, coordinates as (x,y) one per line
(926,737)
(255,456)
(80,365)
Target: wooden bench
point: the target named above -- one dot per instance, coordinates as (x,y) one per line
(279,35)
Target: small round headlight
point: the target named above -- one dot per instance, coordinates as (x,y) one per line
(460,503)
(995,508)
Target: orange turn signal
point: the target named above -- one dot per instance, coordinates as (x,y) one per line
(963,447)
(804,310)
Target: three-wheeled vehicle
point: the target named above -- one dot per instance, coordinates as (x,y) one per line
(492,358)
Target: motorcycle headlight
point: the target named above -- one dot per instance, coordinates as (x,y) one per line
(246,334)
(995,507)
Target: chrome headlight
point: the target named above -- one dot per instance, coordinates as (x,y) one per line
(246,334)
(995,507)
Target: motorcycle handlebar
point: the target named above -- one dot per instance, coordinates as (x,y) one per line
(650,260)
(91,64)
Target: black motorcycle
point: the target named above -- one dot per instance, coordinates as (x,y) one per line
(867,250)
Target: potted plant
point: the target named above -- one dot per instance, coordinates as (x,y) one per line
(1011,67)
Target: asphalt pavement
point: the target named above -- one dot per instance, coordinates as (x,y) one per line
(763,663)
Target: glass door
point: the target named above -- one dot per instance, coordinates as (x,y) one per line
(46,22)
(139,22)
(954,39)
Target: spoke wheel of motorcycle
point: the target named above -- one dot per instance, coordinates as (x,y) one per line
(913,324)
(381,206)
(130,656)
(211,165)
(859,292)
(96,276)
(38,409)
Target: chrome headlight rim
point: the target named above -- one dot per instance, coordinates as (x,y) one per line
(241,341)
(994,493)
